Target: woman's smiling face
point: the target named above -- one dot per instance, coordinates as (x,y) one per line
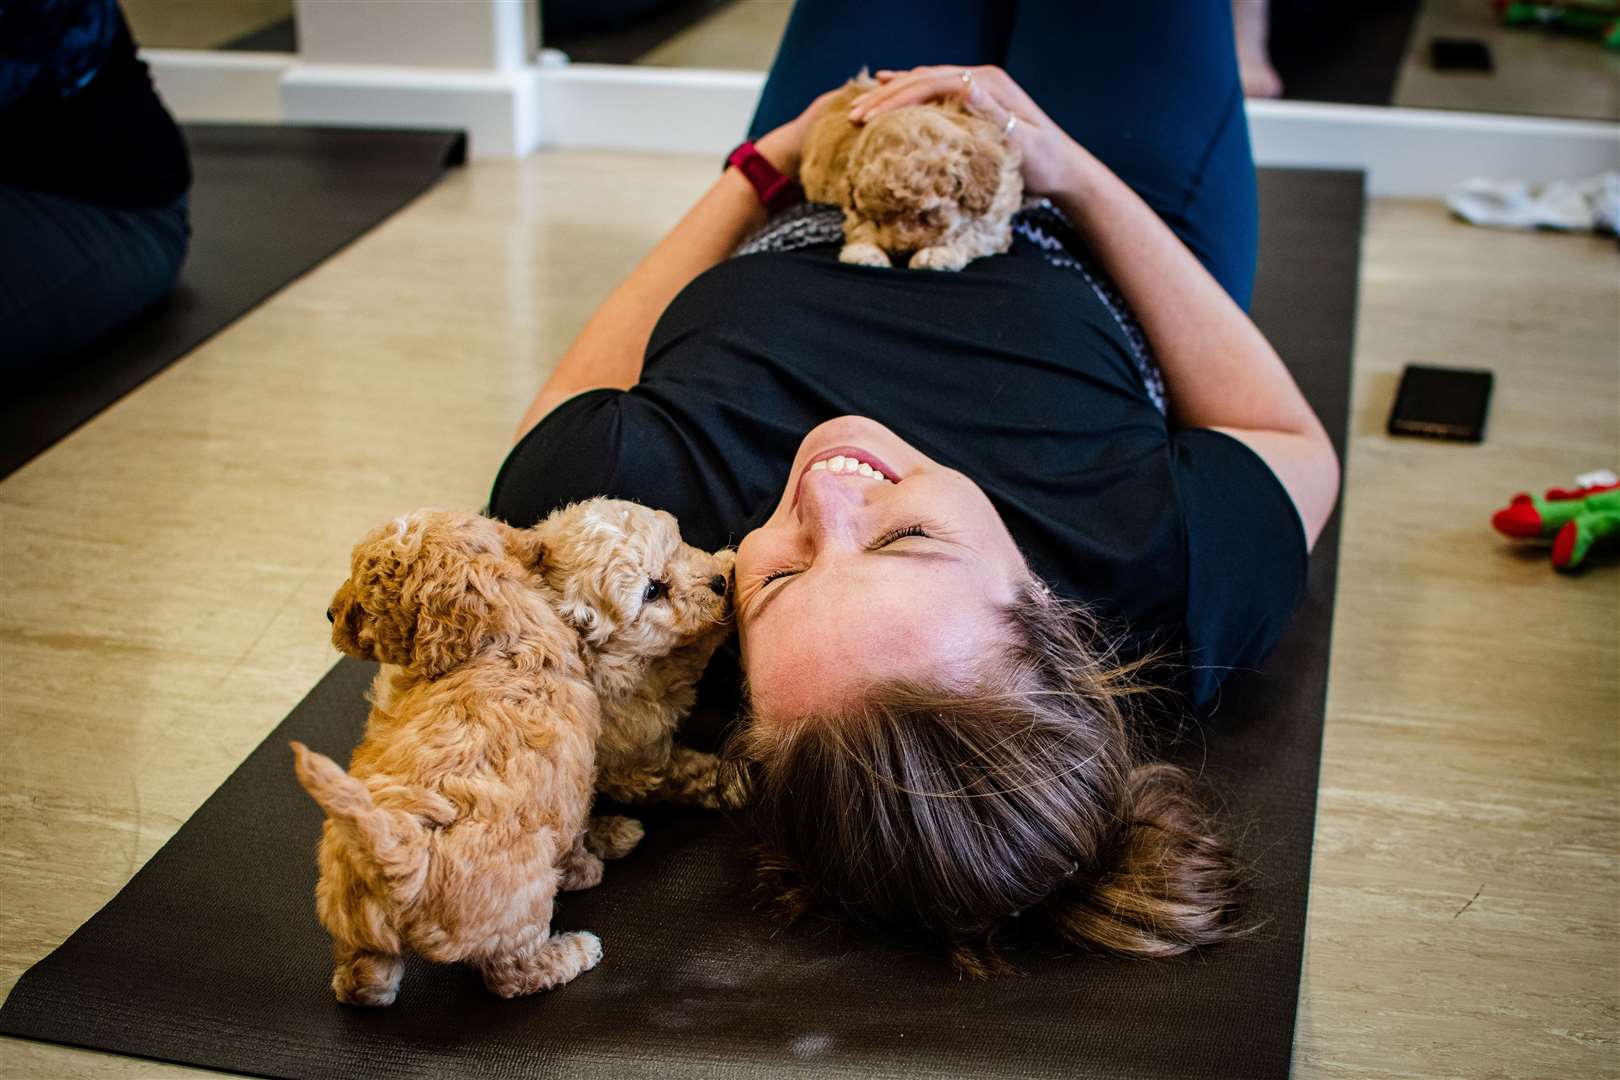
(896,571)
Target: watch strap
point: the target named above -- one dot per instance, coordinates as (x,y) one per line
(775,190)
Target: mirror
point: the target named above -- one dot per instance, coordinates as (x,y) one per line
(1361,52)
(734,35)
(1524,57)
(247,25)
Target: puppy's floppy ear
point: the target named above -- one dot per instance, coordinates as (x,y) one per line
(824,160)
(459,610)
(349,623)
(526,545)
(981,179)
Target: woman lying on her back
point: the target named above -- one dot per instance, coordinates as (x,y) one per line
(948,484)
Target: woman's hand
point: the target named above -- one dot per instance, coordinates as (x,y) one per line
(783,146)
(1050,156)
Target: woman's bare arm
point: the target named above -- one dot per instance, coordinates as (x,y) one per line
(1219,370)
(609,351)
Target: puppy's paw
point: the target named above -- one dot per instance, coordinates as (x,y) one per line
(611,836)
(939,258)
(589,945)
(863,255)
(543,965)
(582,870)
(371,979)
(369,996)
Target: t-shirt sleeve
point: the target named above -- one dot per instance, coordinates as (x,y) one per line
(1246,556)
(571,454)
(626,444)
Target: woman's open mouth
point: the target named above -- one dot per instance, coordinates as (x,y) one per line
(847,461)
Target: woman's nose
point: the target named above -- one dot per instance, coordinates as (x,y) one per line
(830,505)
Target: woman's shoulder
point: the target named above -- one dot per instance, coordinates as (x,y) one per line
(1247,557)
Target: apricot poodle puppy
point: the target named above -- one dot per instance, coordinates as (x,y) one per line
(935,180)
(651,610)
(465,805)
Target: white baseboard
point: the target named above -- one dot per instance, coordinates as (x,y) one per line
(670,110)
(1423,153)
(232,87)
(1405,152)
(497,109)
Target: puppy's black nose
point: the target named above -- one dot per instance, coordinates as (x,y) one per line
(718,584)
(330,617)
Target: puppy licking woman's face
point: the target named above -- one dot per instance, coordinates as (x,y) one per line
(628,582)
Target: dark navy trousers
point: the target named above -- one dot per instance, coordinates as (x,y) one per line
(72,271)
(1150,87)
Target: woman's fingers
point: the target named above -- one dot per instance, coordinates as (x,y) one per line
(912,88)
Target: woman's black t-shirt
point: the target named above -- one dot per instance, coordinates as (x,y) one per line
(1011,370)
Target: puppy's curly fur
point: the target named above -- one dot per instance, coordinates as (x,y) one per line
(935,180)
(465,807)
(650,609)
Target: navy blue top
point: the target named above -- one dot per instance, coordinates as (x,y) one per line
(78,115)
(1012,371)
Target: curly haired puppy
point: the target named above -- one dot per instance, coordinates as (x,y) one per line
(935,180)
(651,610)
(464,809)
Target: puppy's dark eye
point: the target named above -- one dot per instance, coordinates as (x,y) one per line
(655,590)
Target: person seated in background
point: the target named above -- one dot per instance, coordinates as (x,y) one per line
(93,182)
(1251,25)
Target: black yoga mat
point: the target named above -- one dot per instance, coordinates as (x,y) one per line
(212,955)
(267,205)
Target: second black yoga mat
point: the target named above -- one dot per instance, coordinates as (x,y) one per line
(267,204)
(212,955)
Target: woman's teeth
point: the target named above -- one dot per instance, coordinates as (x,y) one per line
(848,466)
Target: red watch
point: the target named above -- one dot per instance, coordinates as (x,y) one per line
(775,190)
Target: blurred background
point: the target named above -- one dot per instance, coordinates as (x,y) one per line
(1372,52)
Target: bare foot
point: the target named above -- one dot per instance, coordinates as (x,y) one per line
(1249,26)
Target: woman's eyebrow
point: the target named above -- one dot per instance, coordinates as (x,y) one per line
(891,552)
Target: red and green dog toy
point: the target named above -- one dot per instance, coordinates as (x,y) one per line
(1573,518)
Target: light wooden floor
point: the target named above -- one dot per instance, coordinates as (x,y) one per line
(200,24)
(1537,73)
(166,572)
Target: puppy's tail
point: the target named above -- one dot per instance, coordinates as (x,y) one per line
(393,844)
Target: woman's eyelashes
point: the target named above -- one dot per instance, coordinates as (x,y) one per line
(881,542)
(890,537)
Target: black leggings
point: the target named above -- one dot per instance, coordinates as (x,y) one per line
(1150,87)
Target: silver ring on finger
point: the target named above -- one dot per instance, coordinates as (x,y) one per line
(1012,123)
(966,77)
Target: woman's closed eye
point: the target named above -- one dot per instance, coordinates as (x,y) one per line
(881,542)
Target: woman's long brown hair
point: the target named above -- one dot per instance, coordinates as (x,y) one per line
(950,812)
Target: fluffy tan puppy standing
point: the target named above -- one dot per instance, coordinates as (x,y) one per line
(651,609)
(936,180)
(464,809)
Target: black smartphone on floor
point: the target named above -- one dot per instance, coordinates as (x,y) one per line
(1442,403)
(1460,54)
